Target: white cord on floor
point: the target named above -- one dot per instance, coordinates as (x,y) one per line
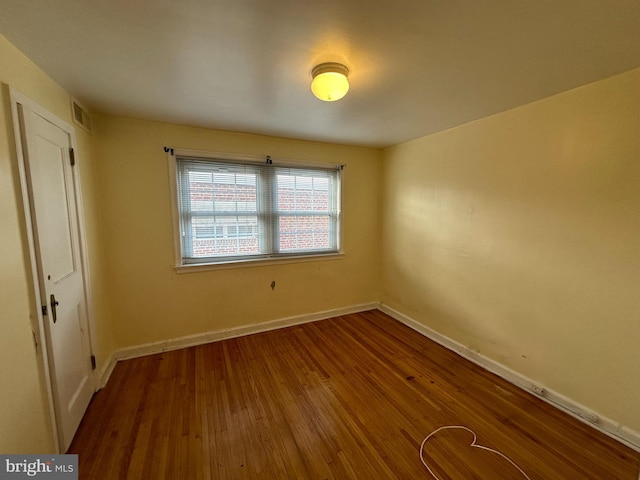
(473,444)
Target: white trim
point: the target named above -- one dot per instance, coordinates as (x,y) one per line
(217,335)
(603,424)
(199,267)
(241,262)
(107,370)
(175,214)
(17,98)
(84,256)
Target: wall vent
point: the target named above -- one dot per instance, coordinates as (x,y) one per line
(80,115)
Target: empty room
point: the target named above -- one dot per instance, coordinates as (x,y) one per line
(320,240)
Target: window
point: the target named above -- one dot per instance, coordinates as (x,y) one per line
(233,210)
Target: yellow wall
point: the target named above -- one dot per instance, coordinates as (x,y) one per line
(518,235)
(151,302)
(515,235)
(24,417)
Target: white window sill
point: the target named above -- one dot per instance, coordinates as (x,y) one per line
(203,267)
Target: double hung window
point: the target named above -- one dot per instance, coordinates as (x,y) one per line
(239,210)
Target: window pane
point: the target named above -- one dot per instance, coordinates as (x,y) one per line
(200,191)
(303,193)
(304,232)
(223,236)
(222,192)
(231,209)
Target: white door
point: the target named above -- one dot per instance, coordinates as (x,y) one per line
(52,199)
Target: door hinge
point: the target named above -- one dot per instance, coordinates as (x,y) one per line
(44,310)
(93,362)
(72,156)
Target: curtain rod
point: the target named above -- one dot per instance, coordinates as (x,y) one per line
(248,158)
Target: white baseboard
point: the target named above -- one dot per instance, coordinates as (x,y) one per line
(605,425)
(217,335)
(106,371)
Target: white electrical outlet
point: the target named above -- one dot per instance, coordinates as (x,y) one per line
(589,416)
(538,390)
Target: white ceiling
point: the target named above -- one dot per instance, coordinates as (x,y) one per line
(417,66)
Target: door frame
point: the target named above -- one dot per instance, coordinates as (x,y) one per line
(19,100)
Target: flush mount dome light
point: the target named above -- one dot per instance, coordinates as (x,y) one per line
(330,81)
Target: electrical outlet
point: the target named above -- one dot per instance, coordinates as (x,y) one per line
(588,416)
(538,390)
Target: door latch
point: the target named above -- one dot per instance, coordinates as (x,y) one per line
(54,303)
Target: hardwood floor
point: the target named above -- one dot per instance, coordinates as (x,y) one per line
(349,397)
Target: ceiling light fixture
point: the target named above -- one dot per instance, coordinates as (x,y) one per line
(330,81)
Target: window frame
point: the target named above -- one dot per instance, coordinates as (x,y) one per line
(235,261)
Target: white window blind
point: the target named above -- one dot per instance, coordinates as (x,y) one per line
(231,211)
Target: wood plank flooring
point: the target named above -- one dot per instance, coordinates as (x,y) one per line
(347,398)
